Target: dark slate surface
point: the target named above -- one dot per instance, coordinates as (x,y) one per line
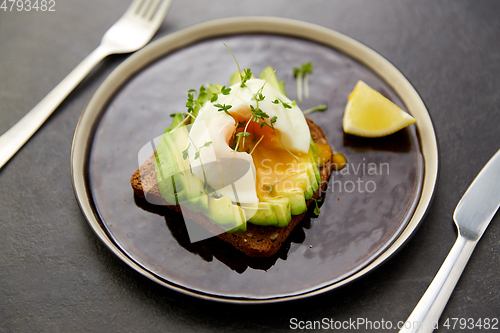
(56,275)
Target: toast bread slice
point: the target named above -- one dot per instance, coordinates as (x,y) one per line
(256,241)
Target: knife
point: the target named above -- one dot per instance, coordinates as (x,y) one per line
(472,216)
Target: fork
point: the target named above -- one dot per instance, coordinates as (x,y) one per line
(131,32)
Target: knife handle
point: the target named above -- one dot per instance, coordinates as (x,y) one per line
(425,316)
(12,140)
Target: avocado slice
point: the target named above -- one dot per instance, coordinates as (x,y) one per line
(282,88)
(179,186)
(176,121)
(269,74)
(265,215)
(296,197)
(228,216)
(168,169)
(297,200)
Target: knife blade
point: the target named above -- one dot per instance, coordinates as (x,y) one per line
(481,201)
(472,216)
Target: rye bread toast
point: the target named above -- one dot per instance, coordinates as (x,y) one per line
(256,241)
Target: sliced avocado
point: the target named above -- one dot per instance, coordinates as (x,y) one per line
(282,88)
(213,89)
(222,211)
(210,89)
(313,181)
(297,200)
(282,209)
(240,219)
(317,174)
(176,121)
(166,168)
(312,147)
(236,77)
(308,193)
(265,215)
(273,212)
(269,74)
(177,184)
(298,196)
(314,154)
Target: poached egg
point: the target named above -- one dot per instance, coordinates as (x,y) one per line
(269,154)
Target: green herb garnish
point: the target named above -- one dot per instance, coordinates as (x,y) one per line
(185,154)
(247,75)
(285,105)
(316,209)
(270,187)
(258,97)
(317,108)
(224,107)
(302,74)
(243,134)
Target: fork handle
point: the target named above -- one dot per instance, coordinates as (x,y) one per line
(425,316)
(12,140)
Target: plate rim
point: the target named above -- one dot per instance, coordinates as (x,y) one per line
(248,25)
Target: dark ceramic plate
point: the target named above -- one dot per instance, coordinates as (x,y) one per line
(370,208)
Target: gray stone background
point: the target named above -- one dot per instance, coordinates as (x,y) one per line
(57,276)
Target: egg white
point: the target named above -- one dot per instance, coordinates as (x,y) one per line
(218,127)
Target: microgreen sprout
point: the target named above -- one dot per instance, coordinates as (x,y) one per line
(302,75)
(279,100)
(197,156)
(189,115)
(247,75)
(270,187)
(273,120)
(241,134)
(191,102)
(316,209)
(208,189)
(259,116)
(317,108)
(258,97)
(215,95)
(224,107)
(185,154)
(196,99)
(255,146)
(247,72)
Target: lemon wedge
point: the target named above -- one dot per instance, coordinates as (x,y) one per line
(368,113)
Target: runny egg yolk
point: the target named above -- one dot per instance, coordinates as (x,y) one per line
(277,169)
(324,153)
